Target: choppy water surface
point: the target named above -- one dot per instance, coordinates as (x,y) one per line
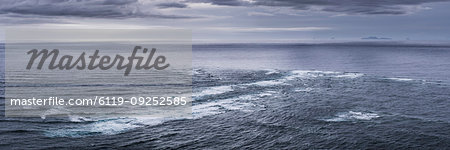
(281,96)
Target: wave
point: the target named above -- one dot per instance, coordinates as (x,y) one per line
(267,83)
(271,71)
(74,118)
(202,109)
(350,75)
(296,74)
(304,89)
(221,106)
(267,93)
(352,116)
(400,79)
(214,91)
(111,126)
(107,126)
(315,73)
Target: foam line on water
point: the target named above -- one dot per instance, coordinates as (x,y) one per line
(214,91)
(283,81)
(349,75)
(241,103)
(352,116)
(315,73)
(112,126)
(304,89)
(271,71)
(108,127)
(267,83)
(400,79)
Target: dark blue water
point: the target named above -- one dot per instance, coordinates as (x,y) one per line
(294,96)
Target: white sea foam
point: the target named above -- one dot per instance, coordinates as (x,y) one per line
(271,71)
(301,74)
(267,83)
(304,89)
(73,118)
(107,127)
(54,111)
(205,109)
(400,79)
(231,104)
(118,125)
(214,91)
(196,72)
(349,75)
(311,74)
(241,103)
(216,107)
(112,126)
(283,81)
(267,93)
(351,115)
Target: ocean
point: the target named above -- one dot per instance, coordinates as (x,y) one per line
(278,96)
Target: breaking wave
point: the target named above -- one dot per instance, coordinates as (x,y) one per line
(352,116)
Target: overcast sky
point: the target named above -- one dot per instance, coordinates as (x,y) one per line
(245,20)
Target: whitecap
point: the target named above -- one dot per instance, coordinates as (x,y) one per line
(110,126)
(107,127)
(214,91)
(205,109)
(314,74)
(54,112)
(271,71)
(197,72)
(400,79)
(113,126)
(217,107)
(304,89)
(349,75)
(308,74)
(267,93)
(267,83)
(352,115)
(74,118)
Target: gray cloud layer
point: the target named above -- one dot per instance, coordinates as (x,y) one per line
(50,9)
(80,8)
(366,7)
(171,5)
(222,2)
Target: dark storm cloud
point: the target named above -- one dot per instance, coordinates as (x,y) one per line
(117,2)
(81,8)
(222,2)
(171,5)
(367,7)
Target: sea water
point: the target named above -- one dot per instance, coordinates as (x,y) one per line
(344,96)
